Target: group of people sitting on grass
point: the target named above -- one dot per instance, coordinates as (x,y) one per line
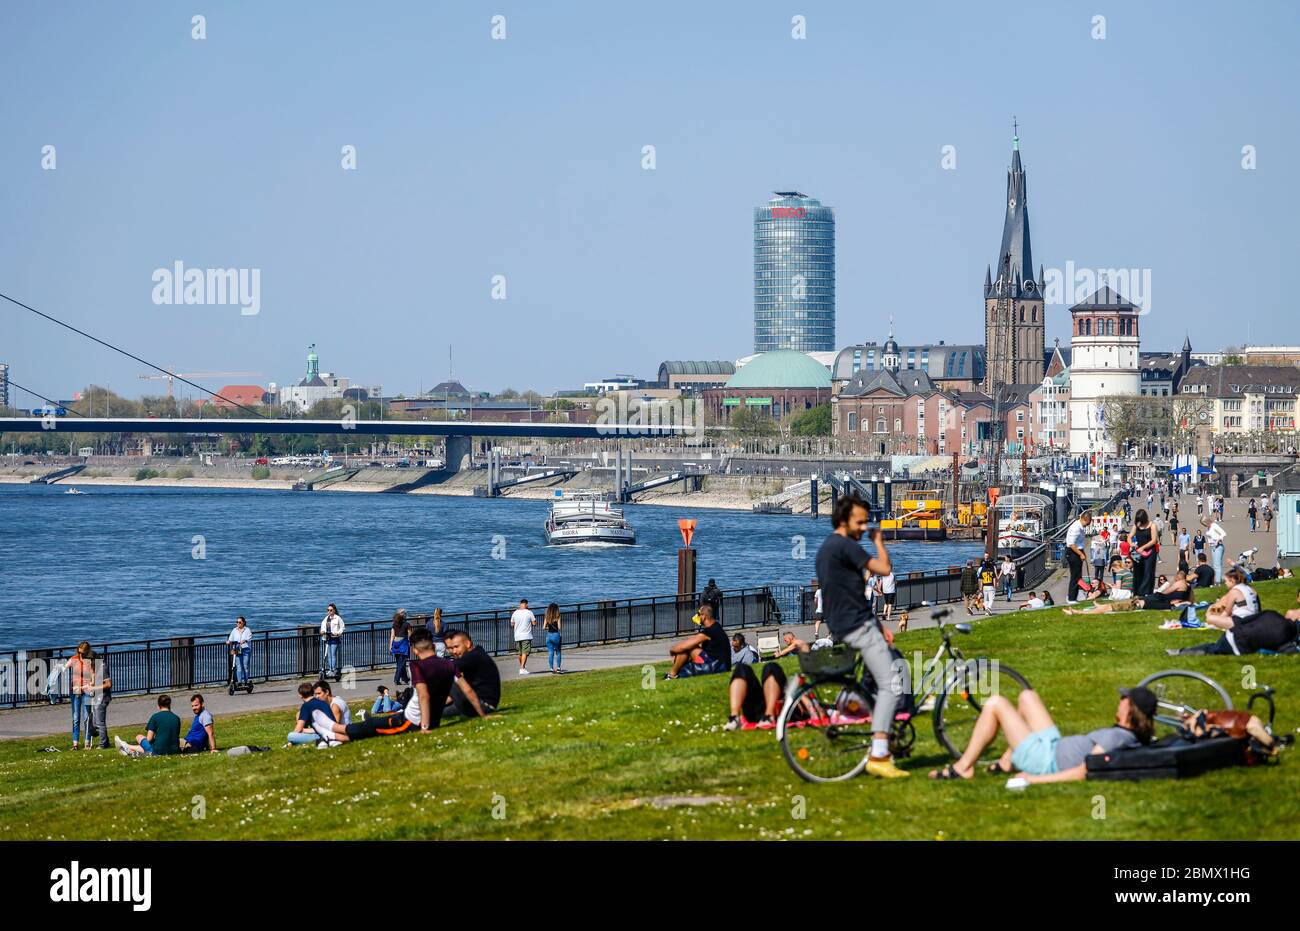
(464,682)
(162,733)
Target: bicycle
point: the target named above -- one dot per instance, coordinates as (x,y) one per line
(825,726)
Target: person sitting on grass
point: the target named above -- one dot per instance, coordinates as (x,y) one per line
(385,703)
(755,703)
(478,670)
(1121,573)
(1202,576)
(1036,748)
(1033,603)
(1266,630)
(792,645)
(742,652)
(431,680)
(309,711)
(162,734)
(702,654)
(202,734)
(342,713)
(1171,593)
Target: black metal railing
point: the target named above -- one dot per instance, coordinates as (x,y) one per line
(184,663)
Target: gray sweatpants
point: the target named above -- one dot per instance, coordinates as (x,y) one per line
(891,677)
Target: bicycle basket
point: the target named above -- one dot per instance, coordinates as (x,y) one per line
(838,660)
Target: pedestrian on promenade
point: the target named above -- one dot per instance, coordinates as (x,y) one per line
(1267,515)
(399,645)
(331,635)
(554,638)
(439,636)
(1006,575)
(712,595)
(1252,512)
(240,643)
(81,684)
(988,584)
(1097,550)
(523,622)
(970,585)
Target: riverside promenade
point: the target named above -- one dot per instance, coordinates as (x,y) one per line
(134,710)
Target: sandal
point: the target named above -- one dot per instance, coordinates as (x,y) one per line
(948,772)
(995,769)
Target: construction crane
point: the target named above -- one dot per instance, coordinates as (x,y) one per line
(147,376)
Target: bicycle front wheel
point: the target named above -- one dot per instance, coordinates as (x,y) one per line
(958,704)
(825,731)
(1181,691)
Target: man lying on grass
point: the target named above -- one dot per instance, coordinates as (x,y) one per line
(1266,630)
(1037,749)
(431,681)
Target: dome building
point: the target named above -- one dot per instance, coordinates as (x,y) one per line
(776,383)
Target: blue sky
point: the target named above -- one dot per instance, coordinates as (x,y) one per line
(522,158)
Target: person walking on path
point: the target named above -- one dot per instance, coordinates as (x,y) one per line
(81,680)
(1267,515)
(331,635)
(399,645)
(1252,512)
(551,625)
(988,584)
(712,595)
(101,695)
(841,563)
(970,585)
(1075,555)
(523,622)
(1007,576)
(240,642)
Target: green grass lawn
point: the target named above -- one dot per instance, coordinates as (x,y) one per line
(598,756)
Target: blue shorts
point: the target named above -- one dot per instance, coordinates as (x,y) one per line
(709,667)
(1036,754)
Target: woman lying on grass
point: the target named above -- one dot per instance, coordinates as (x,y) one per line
(1037,749)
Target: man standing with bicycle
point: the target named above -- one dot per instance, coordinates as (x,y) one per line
(841,562)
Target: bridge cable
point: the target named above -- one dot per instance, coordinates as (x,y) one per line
(151,365)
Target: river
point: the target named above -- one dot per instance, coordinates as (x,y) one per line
(123,563)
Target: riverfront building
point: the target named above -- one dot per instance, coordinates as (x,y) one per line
(777,383)
(794,274)
(1104,363)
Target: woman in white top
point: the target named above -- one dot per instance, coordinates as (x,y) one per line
(1239,601)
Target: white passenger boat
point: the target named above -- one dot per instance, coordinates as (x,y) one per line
(585,517)
(1023,520)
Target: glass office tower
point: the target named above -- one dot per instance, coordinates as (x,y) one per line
(794,274)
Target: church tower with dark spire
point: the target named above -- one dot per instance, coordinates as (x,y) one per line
(1014,328)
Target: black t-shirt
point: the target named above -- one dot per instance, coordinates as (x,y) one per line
(1204,576)
(840,562)
(1141,537)
(717,647)
(483,676)
(1267,630)
(437,674)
